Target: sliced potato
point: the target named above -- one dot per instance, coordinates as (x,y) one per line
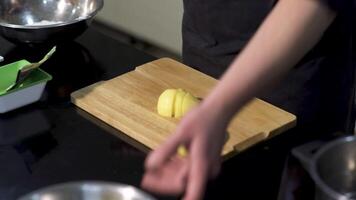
(189,102)
(165,105)
(182,151)
(178,103)
(175,103)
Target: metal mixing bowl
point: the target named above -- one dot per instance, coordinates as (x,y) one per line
(88,191)
(46,21)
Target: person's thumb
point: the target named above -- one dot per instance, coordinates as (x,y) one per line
(163,153)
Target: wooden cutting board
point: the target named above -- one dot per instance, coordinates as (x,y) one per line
(128,103)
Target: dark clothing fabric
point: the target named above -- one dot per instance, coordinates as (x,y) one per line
(338,5)
(214,31)
(320,89)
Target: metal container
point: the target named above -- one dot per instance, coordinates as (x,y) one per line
(332,167)
(45,21)
(88,191)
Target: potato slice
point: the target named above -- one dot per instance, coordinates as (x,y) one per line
(175,103)
(178,103)
(189,102)
(182,151)
(165,105)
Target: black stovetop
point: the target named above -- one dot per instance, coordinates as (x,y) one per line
(52,142)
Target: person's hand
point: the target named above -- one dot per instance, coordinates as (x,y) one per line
(202,132)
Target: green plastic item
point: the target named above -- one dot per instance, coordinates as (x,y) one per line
(8,74)
(24,71)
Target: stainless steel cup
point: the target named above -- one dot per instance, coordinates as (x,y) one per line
(332,167)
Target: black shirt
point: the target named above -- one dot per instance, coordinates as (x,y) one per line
(319,89)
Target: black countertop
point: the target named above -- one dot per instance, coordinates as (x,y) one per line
(52,142)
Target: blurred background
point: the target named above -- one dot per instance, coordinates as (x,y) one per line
(153,26)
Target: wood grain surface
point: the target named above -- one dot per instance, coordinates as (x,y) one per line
(128,103)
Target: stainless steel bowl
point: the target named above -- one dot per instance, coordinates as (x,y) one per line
(46,21)
(332,167)
(88,191)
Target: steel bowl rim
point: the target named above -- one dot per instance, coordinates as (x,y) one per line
(61,24)
(79,183)
(314,173)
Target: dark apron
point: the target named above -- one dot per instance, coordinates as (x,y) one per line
(319,90)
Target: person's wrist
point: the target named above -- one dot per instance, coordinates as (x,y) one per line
(217,110)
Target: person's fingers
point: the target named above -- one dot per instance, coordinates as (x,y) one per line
(170,179)
(183,174)
(166,151)
(198,173)
(215,168)
(159,185)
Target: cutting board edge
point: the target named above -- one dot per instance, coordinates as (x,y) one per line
(121,127)
(250,142)
(289,125)
(291,116)
(77,93)
(112,130)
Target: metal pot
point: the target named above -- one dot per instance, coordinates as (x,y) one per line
(332,167)
(88,191)
(38,22)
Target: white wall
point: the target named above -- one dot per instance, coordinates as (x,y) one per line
(156,21)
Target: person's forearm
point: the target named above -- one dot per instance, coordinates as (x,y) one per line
(287,34)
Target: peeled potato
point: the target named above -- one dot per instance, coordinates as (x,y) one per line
(175,103)
(165,105)
(178,103)
(182,151)
(189,102)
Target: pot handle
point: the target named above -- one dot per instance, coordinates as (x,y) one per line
(305,153)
